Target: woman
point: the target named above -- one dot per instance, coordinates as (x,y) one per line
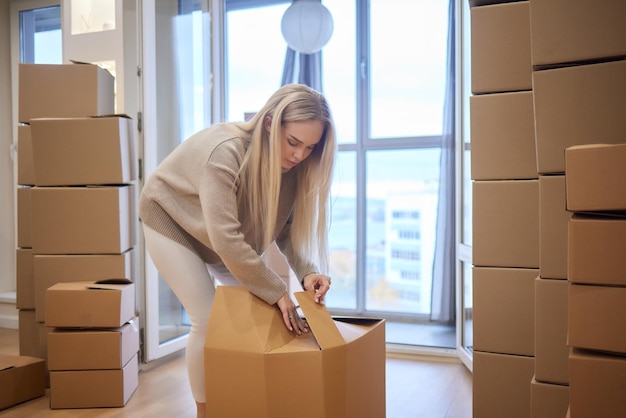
(215,204)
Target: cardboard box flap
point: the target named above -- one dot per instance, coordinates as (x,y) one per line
(109,284)
(6,365)
(321,323)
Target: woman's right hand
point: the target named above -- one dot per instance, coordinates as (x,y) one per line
(292,320)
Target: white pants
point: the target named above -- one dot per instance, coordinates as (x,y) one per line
(192,281)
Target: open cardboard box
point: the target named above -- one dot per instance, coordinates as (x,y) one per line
(255,367)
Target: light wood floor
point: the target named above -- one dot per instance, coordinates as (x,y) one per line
(423,388)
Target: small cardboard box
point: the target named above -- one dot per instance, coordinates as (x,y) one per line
(90,304)
(25,169)
(503,136)
(564,31)
(81,151)
(83,220)
(577,105)
(83,349)
(94,388)
(504,323)
(506,223)
(52,269)
(596,318)
(340,365)
(64,90)
(595,177)
(597,383)
(500,49)
(596,249)
(21,378)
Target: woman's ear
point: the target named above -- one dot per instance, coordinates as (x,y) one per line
(267,123)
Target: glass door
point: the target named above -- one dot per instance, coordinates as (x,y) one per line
(174,104)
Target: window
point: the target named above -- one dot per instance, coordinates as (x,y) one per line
(40,35)
(388,106)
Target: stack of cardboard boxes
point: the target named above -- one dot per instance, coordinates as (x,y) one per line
(76,203)
(573,51)
(505,209)
(596,196)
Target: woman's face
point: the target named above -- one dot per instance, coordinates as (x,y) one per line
(297,141)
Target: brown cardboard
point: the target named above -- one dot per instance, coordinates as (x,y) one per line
(504,310)
(25,279)
(52,269)
(506,223)
(80,151)
(565,31)
(25,169)
(24,224)
(577,105)
(597,383)
(94,388)
(501,385)
(21,379)
(500,48)
(28,333)
(596,249)
(595,177)
(551,350)
(503,136)
(85,349)
(553,219)
(548,400)
(248,353)
(474,3)
(64,90)
(88,304)
(596,318)
(83,220)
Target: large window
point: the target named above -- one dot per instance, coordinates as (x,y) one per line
(383,72)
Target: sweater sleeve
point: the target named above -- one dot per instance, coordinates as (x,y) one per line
(217,193)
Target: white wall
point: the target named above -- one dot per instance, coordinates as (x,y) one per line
(7,183)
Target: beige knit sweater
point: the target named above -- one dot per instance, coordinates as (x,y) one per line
(190,198)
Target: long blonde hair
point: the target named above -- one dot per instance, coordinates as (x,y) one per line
(261,170)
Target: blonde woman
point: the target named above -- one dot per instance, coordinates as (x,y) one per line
(215,204)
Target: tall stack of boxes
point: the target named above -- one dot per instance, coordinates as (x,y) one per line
(573,51)
(78,214)
(595,178)
(505,209)
(579,83)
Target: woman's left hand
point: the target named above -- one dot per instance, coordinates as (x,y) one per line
(318,282)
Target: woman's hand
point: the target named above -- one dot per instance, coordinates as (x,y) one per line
(290,315)
(318,282)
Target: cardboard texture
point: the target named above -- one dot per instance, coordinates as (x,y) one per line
(565,31)
(88,304)
(25,169)
(25,279)
(504,310)
(551,350)
(52,269)
(506,223)
(64,90)
(503,136)
(596,249)
(248,352)
(24,224)
(548,400)
(83,220)
(553,220)
(501,385)
(94,388)
(597,383)
(21,379)
(596,318)
(85,349)
(575,106)
(595,177)
(28,333)
(500,48)
(81,151)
